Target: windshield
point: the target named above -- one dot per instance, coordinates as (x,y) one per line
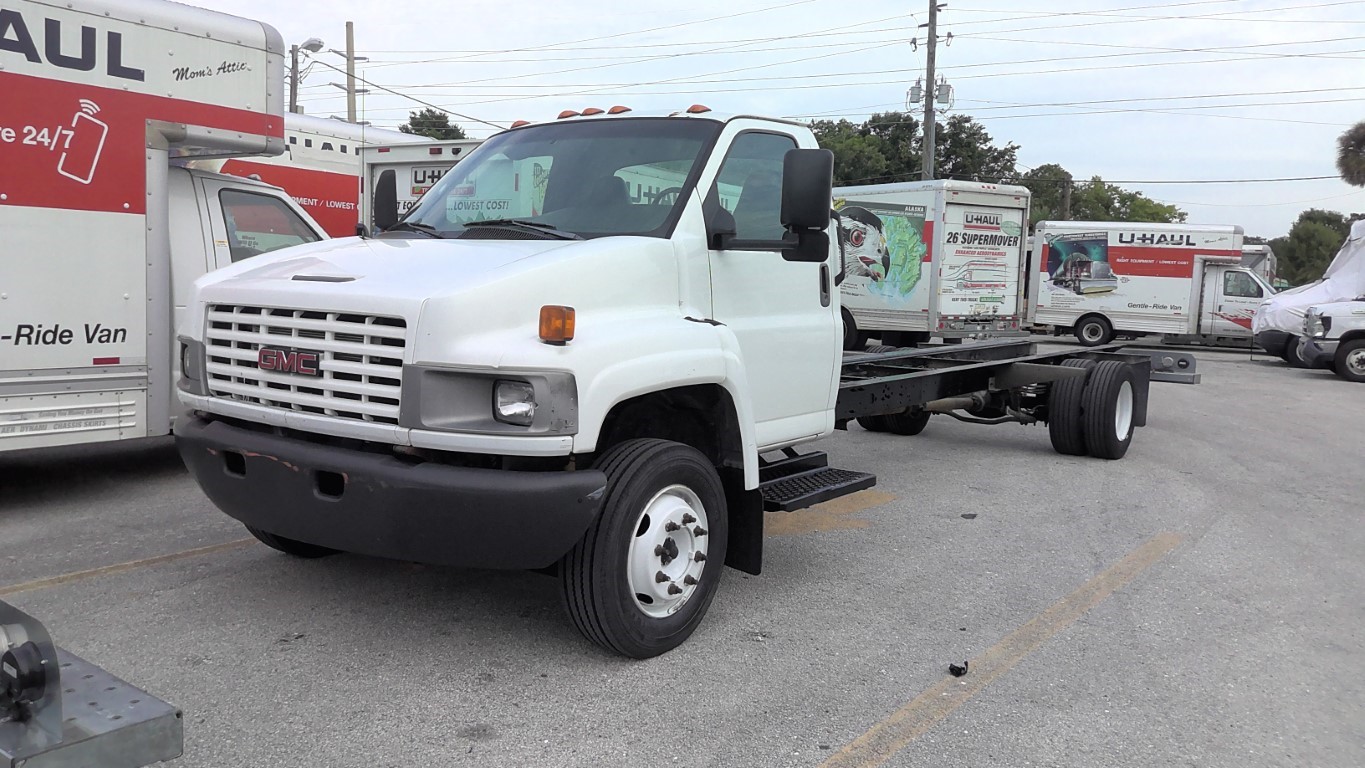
(589,178)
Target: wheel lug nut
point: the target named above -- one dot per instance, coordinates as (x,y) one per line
(688,519)
(700,557)
(660,577)
(699,531)
(674,589)
(690,580)
(671,526)
(658,550)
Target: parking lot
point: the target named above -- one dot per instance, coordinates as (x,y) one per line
(1196,603)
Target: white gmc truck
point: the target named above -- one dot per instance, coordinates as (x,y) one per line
(574,353)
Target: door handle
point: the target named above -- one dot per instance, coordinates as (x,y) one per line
(824,285)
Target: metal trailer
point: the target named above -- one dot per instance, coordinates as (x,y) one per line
(59,711)
(1091,400)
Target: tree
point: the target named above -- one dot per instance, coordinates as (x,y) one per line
(1048,184)
(1097,201)
(858,157)
(1351,155)
(1314,239)
(432,123)
(963,150)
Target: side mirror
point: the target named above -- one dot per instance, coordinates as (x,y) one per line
(807,189)
(386,200)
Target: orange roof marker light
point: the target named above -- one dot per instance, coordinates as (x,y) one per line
(593,111)
(567,113)
(697,109)
(556,324)
(520,123)
(618,110)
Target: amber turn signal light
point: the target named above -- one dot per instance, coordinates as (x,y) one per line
(556,324)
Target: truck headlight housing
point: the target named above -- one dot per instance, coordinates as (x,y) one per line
(1314,325)
(192,367)
(514,402)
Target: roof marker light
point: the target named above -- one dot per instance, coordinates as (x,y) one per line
(697,109)
(617,110)
(593,111)
(520,123)
(567,113)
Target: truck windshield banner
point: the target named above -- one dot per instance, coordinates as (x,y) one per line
(884,252)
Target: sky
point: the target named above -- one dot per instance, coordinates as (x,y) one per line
(1189,102)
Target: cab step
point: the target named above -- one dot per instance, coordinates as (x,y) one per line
(804,480)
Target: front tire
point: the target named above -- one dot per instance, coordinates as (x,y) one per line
(1291,353)
(1350,360)
(642,577)
(1094,330)
(291,546)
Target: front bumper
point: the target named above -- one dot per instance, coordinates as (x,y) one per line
(1317,353)
(377,504)
(1273,342)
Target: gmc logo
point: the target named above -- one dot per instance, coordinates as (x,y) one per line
(299,361)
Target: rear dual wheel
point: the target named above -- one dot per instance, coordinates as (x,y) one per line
(1093,414)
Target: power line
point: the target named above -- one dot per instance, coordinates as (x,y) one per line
(386,89)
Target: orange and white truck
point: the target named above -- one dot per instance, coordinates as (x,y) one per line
(1184,282)
(105,102)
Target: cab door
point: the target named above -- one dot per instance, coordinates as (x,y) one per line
(248,221)
(782,314)
(1231,295)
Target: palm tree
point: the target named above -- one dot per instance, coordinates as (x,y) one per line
(1351,155)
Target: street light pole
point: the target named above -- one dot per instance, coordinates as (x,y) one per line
(312,45)
(350,72)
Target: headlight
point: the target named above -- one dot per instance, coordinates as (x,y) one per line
(192,367)
(1312,324)
(514,402)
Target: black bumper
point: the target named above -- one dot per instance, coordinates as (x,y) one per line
(375,504)
(1273,342)
(1318,353)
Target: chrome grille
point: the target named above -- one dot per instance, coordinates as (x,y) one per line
(361,360)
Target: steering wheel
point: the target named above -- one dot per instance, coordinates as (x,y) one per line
(658,197)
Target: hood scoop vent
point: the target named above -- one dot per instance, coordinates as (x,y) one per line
(323,278)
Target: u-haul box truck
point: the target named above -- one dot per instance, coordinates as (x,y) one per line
(104,229)
(932,259)
(399,174)
(1183,281)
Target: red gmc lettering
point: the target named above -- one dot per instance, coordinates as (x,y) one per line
(306,363)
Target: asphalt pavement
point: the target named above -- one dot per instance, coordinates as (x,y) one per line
(1198,603)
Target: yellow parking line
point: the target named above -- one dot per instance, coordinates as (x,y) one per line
(109,570)
(883,740)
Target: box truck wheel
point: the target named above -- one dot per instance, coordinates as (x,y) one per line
(290,546)
(1094,330)
(642,577)
(1064,402)
(854,339)
(1107,408)
(1350,360)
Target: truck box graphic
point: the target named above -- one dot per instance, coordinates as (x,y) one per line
(1079,262)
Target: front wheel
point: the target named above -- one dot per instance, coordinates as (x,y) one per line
(642,577)
(1293,352)
(1350,360)
(1094,331)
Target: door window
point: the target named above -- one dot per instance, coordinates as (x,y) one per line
(259,224)
(750,184)
(1240,285)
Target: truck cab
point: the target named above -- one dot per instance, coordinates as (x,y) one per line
(1334,337)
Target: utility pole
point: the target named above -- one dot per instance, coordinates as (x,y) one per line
(350,72)
(1066,199)
(293,79)
(927,172)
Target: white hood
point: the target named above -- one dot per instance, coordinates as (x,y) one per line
(1344,279)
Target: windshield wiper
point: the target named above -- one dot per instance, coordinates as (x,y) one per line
(414,226)
(524,225)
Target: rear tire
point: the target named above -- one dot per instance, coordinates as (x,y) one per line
(908,423)
(1094,330)
(854,339)
(664,506)
(1064,418)
(290,546)
(1108,407)
(1350,360)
